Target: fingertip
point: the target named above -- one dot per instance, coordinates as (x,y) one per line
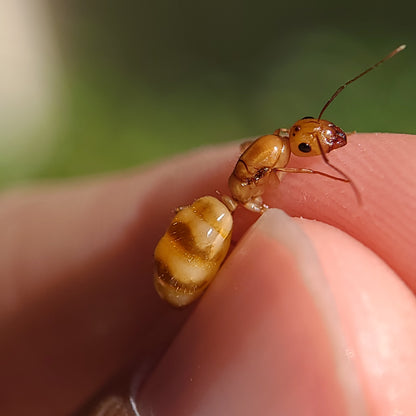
(385,175)
(377,314)
(262,339)
(302,317)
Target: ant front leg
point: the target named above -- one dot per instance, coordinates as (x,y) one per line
(304,170)
(327,175)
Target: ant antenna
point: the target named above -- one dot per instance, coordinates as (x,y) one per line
(390,55)
(345,176)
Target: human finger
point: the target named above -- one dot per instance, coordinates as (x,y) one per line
(120,237)
(281,330)
(76,293)
(382,168)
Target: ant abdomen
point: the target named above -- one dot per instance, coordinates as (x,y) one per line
(192,250)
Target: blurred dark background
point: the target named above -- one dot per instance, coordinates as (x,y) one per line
(93,86)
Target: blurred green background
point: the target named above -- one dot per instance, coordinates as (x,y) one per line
(95,86)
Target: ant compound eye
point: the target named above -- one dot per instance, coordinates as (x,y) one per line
(304,118)
(304,147)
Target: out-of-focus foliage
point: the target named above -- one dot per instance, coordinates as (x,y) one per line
(134,82)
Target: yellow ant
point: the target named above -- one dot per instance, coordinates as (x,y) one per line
(190,253)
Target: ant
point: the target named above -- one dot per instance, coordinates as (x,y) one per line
(190,253)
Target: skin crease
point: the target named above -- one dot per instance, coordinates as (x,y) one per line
(77,302)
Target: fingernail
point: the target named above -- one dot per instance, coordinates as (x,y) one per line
(264,339)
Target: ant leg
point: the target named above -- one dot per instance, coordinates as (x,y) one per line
(229,202)
(256,205)
(304,170)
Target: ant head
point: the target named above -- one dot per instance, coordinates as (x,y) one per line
(310,137)
(313,136)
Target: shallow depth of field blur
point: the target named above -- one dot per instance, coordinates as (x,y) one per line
(97,86)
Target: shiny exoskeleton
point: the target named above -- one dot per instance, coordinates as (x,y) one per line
(270,154)
(190,253)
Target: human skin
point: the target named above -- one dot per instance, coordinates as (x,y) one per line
(303,318)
